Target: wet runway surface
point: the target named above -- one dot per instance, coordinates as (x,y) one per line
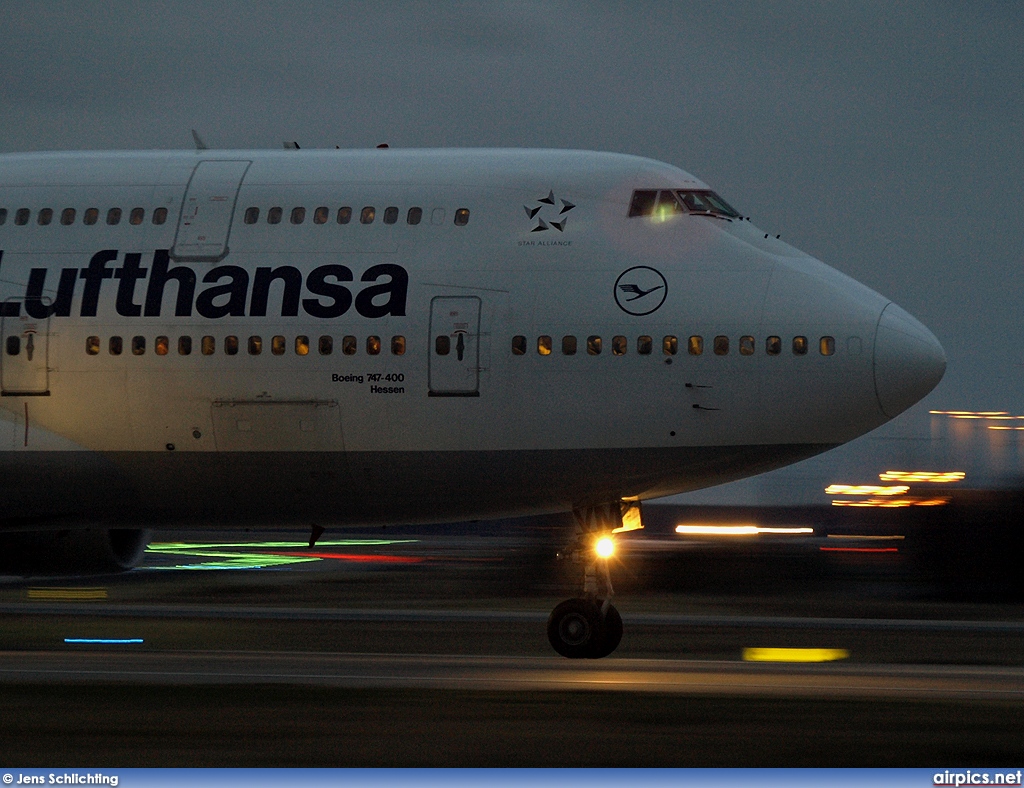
(513,674)
(440,658)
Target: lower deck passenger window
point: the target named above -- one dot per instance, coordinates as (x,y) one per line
(277,345)
(161,346)
(569,345)
(398,345)
(644,345)
(92,345)
(209,346)
(301,346)
(827,346)
(746,346)
(348,345)
(443,345)
(325,345)
(231,346)
(519,345)
(115,346)
(184,346)
(721,346)
(773,346)
(619,344)
(670,345)
(138,346)
(594,346)
(799,346)
(373,346)
(695,345)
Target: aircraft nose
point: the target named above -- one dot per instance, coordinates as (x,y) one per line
(909,361)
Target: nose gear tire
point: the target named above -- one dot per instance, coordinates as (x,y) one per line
(578,630)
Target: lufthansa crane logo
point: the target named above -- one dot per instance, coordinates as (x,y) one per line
(550,213)
(640,290)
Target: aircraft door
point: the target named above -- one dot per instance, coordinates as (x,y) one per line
(454,369)
(206,213)
(23,369)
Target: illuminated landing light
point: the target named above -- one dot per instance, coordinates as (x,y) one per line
(865,489)
(117,641)
(933,477)
(859,549)
(992,427)
(67,594)
(737,530)
(794,654)
(605,547)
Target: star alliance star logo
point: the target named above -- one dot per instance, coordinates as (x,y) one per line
(545,207)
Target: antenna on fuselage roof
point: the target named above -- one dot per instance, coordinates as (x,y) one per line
(200,145)
(291,145)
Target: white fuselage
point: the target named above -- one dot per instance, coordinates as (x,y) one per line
(379,372)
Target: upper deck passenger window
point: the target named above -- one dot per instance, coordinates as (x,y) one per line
(45,216)
(114,216)
(136,216)
(3,215)
(298,215)
(159,216)
(321,214)
(390,214)
(415,216)
(274,215)
(462,217)
(344,215)
(252,215)
(67,216)
(21,216)
(91,216)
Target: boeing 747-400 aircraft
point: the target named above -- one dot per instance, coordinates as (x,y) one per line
(411,336)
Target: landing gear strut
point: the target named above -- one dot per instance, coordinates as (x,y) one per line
(589,626)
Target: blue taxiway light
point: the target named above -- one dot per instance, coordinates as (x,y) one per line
(103,640)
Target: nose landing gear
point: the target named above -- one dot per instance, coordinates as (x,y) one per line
(589,627)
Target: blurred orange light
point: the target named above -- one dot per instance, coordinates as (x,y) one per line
(865,489)
(737,530)
(935,477)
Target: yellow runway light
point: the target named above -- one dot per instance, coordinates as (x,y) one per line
(67,594)
(794,654)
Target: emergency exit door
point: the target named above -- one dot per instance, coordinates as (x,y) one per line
(24,349)
(454,369)
(207,211)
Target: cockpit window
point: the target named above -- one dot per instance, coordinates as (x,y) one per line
(664,203)
(643,202)
(707,202)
